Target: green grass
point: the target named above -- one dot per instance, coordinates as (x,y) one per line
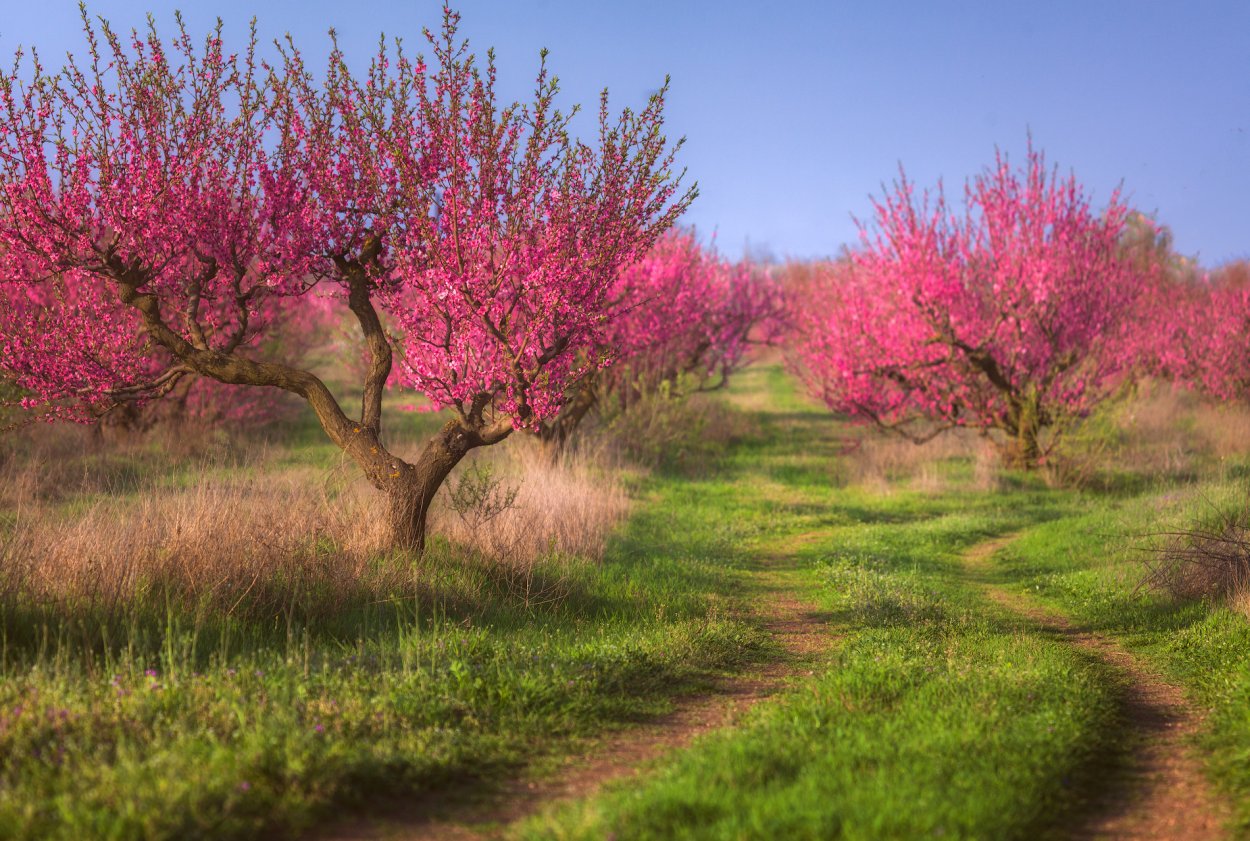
(940,714)
(1089,566)
(935,712)
(932,719)
(174,724)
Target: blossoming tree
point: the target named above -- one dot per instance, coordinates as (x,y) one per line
(156,198)
(1193,323)
(682,310)
(1013,316)
(689,310)
(1199,332)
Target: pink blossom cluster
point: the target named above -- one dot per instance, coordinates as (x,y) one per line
(1197,332)
(137,167)
(498,239)
(1191,324)
(67,345)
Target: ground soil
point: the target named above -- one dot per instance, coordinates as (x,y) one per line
(1157,790)
(800,630)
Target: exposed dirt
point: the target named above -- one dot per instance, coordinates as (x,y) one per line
(1160,792)
(795,625)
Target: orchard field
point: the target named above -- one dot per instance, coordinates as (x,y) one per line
(782,634)
(380,460)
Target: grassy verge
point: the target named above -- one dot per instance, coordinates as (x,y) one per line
(1090,566)
(938,715)
(159,719)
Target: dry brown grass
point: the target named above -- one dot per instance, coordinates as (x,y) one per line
(58,462)
(256,547)
(881,462)
(262,540)
(1166,431)
(1158,432)
(1225,429)
(1240,601)
(567,506)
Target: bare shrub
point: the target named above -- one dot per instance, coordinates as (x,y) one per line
(1209,561)
(478,496)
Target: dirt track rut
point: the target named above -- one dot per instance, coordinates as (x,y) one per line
(1160,791)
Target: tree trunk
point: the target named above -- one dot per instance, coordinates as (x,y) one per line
(1023,450)
(175,405)
(410,488)
(409,498)
(409,507)
(555,434)
(123,422)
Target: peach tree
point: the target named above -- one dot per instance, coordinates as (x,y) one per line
(160,200)
(1014,315)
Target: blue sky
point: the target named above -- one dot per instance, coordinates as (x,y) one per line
(796,112)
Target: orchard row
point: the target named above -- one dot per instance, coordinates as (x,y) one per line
(180,222)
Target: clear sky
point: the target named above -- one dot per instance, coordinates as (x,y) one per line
(796,112)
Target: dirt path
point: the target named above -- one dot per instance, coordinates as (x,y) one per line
(800,630)
(1162,793)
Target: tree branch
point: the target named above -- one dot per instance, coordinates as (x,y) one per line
(380,354)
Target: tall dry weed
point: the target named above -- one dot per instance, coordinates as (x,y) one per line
(882,462)
(1240,601)
(250,547)
(261,541)
(1167,431)
(59,462)
(566,506)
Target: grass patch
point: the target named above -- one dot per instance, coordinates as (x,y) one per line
(938,715)
(1090,566)
(937,712)
(169,712)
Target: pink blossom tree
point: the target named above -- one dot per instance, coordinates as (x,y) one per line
(682,311)
(1193,323)
(1015,316)
(1198,336)
(32,325)
(155,198)
(714,311)
(1219,359)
